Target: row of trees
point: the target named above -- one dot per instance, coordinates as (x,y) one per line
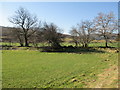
(103,25)
(29,29)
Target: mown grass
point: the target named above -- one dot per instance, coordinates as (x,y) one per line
(34,69)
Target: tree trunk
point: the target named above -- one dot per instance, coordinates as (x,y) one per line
(86,45)
(106,44)
(56,45)
(76,44)
(106,41)
(26,41)
(21,44)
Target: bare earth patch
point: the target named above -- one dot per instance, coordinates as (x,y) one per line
(107,79)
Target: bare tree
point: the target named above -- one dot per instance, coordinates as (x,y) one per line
(16,35)
(52,35)
(74,35)
(106,25)
(27,22)
(37,37)
(84,31)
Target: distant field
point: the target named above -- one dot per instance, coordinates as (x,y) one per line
(34,69)
(92,44)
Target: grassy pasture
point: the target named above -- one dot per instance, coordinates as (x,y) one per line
(34,69)
(92,44)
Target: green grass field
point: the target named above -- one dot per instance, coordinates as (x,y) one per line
(92,44)
(34,69)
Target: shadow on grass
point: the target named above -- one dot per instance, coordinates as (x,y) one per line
(110,47)
(10,47)
(65,49)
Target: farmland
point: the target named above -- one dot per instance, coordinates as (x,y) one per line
(37,52)
(99,43)
(35,69)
